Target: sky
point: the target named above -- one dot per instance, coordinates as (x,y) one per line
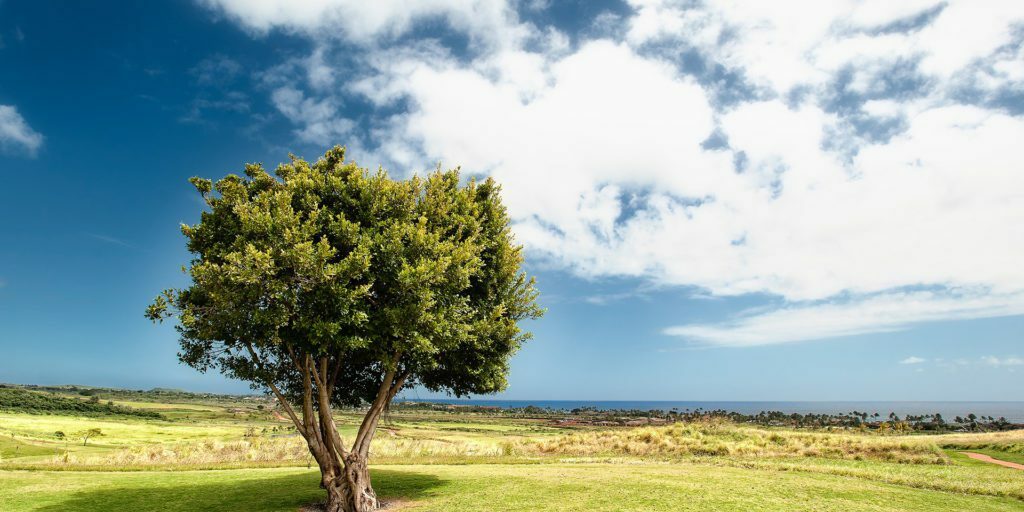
(795,200)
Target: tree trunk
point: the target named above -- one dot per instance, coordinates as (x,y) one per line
(351,491)
(343,474)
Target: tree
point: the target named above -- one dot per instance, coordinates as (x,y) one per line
(88,434)
(330,285)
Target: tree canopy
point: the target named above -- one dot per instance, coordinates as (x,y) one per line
(330,284)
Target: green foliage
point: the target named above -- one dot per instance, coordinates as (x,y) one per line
(19,400)
(419,277)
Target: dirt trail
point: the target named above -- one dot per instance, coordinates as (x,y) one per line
(985,458)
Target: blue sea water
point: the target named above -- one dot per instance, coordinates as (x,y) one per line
(1012,411)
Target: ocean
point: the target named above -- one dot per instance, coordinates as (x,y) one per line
(1012,411)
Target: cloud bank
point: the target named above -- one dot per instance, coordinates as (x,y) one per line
(859,161)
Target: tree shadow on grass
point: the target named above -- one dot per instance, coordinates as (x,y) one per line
(226,491)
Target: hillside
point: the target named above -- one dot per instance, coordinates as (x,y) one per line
(20,400)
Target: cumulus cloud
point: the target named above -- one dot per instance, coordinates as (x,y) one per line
(854,181)
(913,360)
(805,42)
(368,22)
(15,133)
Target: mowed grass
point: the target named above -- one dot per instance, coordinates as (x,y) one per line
(119,431)
(13,448)
(539,487)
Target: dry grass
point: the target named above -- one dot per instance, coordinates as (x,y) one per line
(718,438)
(265,450)
(681,440)
(1010,441)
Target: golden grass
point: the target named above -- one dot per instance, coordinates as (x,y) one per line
(719,438)
(265,450)
(681,440)
(1009,441)
(149,444)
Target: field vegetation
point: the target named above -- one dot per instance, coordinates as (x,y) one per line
(239,454)
(723,438)
(21,400)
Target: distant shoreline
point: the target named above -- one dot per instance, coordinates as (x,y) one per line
(1011,410)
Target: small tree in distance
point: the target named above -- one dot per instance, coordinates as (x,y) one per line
(332,285)
(88,434)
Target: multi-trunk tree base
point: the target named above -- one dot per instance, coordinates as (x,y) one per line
(351,491)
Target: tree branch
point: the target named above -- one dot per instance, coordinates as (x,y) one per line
(384,395)
(333,439)
(333,380)
(280,397)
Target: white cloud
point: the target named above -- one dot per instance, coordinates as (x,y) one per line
(366,22)
(883,313)
(883,108)
(1006,361)
(320,119)
(15,133)
(599,146)
(782,45)
(913,360)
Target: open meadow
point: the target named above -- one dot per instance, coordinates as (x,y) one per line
(222,453)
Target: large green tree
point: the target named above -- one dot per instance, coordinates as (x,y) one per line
(330,285)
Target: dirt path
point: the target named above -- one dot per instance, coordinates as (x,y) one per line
(986,458)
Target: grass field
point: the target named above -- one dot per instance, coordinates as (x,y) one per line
(554,487)
(227,457)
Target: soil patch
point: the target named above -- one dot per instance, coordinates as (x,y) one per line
(985,458)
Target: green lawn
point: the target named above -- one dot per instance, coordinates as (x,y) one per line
(11,448)
(539,487)
(119,431)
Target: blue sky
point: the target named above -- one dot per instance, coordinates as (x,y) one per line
(813,202)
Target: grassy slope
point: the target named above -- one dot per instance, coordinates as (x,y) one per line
(548,487)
